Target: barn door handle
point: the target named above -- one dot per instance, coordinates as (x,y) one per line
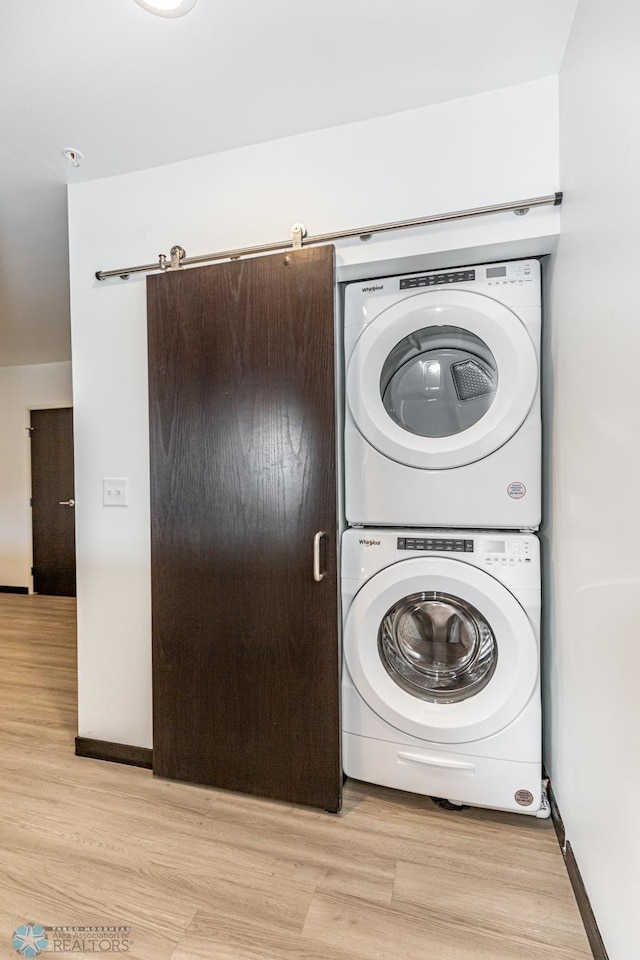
(317,576)
(67,503)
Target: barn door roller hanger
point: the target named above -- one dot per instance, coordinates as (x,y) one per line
(178,258)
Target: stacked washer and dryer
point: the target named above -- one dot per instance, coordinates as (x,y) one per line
(441,587)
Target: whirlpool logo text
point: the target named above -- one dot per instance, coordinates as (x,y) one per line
(369,543)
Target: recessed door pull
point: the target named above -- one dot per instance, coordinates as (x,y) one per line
(67,503)
(317,576)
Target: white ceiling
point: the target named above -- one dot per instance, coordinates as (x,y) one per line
(131,90)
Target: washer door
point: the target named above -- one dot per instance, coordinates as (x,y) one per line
(441,650)
(442,379)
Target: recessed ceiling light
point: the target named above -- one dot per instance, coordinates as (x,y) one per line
(167,8)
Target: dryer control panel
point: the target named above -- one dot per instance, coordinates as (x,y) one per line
(519,271)
(437,279)
(515,283)
(498,274)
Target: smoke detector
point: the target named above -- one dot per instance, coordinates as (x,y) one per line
(167,8)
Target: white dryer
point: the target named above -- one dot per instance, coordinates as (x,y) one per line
(442,419)
(441,685)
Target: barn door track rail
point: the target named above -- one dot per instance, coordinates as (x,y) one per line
(178,258)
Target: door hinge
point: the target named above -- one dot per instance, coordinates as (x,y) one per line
(29,430)
(30,501)
(32,571)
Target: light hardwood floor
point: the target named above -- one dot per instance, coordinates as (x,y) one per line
(200,874)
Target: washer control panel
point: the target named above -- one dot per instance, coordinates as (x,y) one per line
(431,545)
(507,552)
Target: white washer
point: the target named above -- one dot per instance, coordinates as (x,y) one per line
(442,419)
(441,686)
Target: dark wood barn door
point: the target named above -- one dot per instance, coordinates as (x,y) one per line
(243,482)
(52,500)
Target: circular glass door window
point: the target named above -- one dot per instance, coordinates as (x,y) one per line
(439,381)
(437,647)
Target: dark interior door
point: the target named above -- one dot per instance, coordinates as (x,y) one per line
(243,479)
(53,507)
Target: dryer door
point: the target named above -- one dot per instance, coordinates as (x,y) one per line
(441,650)
(442,379)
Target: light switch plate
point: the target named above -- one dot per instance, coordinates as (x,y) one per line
(115,491)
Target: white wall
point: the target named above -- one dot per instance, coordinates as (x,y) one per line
(593,692)
(477,151)
(22,388)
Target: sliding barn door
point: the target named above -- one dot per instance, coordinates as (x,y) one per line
(243,503)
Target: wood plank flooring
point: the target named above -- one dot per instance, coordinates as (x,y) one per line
(200,874)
